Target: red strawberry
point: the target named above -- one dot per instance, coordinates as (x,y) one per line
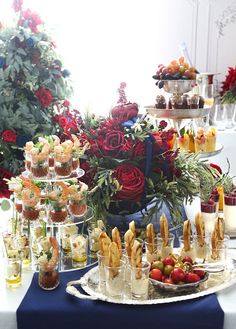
(200,273)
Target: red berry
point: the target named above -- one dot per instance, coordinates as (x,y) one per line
(177,275)
(191,277)
(211,201)
(169,261)
(200,273)
(156,274)
(187,259)
(168,280)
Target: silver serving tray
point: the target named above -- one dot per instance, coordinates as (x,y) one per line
(89,282)
(177,113)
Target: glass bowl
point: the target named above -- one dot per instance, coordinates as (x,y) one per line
(185,287)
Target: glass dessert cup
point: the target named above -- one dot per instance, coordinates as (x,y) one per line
(166,248)
(183,142)
(190,252)
(75,160)
(23,244)
(48,277)
(210,143)
(39,165)
(201,248)
(13,271)
(140,281)
(209,215)
(31,209)
(115,281)
(27,161)
(103,261)
(152,251)
(230,213)
(77,208)
(79,250)
(57,212)
(63,165)
(93,235)
(200,144)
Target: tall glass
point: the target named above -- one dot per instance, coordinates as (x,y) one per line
(165,247)
(13,271)
(115,282)
(140,281)
(79,250)
(230,115)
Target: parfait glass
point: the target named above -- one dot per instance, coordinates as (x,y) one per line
(63,164)
(39,165)
(77,207)
(31,208)
(79,250)
(57,211)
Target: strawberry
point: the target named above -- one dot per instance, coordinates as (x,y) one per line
(191,277)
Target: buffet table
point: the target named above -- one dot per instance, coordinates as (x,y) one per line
(11,299)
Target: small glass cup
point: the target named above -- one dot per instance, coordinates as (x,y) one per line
(152,251)
(209,215)
(200,144)
(23,243)
(115,281)
(57,212)
(183,142)
(229,115)
(63,165)
(183,252)
(48,277)
(165,248)
(78,208)
(31,209)
(193,102)
(93,235)
(230,213)
(219,117)
(13,271)
(39,165)
(218,255)
(201,247)
(140,281)
(103,261)
(79,250)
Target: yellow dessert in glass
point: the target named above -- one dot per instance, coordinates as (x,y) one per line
(200,141)
(183,142)
(211,139)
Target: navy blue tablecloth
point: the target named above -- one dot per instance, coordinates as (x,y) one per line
(58,310)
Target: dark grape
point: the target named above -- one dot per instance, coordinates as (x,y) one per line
(176,76)
(161,84)
(156,76)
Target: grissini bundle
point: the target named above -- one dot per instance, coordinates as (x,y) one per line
(136,259)
(129,241)
(164,229)
(116,238)
(150,235)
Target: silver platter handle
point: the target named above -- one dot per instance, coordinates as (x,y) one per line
(75,292)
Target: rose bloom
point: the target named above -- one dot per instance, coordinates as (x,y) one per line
(62,121)
(44,96)
(9,136)
(132,180)
(125,112)
(112,144)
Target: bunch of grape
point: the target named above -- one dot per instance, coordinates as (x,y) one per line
(176,70)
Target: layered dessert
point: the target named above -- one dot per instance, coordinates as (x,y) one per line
(230,212)
(200,141)
(211,139)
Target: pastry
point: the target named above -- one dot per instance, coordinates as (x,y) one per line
(187,235)
(132,227)
(136,258)
(215,245)
(104,243)
(114,259)
(116,238)
(129,242)
(200,228)
(220,230)
(150,238)
(164,229)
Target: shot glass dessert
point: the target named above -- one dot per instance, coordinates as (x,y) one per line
(79,250)
(140,281)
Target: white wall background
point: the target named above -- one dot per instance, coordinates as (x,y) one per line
(104,42)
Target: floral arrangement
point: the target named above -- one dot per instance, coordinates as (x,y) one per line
(34,90)
(132,165)
(229,87)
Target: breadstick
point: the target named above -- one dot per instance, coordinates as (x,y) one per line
(104,242)
(132,227)
(116,238)
(150,238)
(214,245)
(129,241)
(200,228)
(187,235)
(136,258)
(164,229)
(114,259)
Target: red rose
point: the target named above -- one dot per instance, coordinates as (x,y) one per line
(4,192)
(44,96)
(17,5)
(62,121)
(139,149)
(125,112)
(112,144)
(66,103)
(9,136)
(131,179)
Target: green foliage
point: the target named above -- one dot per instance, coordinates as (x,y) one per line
(30,63)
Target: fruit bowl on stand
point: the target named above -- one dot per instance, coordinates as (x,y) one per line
(178,86)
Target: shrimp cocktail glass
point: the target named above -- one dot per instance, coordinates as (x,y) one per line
(58,202)
(30,197)
(48,277)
